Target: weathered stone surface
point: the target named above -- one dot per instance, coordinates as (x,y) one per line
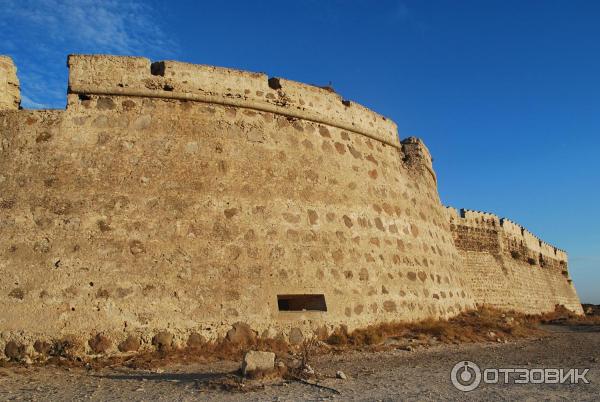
(257,361)
(195,340)
(68,346)
(100,343)
(14,350)
(130,344)
(10,93)
(163,340)
(241,334)
(269,333)
(321,332)
(296,337)
(42,347)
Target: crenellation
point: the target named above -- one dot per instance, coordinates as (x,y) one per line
(511,228)
(452,214)
(107,73)
(518,233)
(480,218)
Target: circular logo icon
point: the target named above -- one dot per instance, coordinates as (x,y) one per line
(465,376)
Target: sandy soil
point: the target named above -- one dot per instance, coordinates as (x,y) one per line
(422,374)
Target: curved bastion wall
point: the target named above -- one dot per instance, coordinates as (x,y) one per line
(508,267)
(183,198)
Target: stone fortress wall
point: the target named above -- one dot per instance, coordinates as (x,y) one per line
(10,94)
(170,197)
(510,268)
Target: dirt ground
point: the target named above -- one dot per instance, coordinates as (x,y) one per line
(421,374)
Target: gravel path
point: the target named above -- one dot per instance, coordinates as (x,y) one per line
(392,375)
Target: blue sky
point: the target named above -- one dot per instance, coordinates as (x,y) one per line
(506,94)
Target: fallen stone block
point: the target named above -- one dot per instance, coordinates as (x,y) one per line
(255,361)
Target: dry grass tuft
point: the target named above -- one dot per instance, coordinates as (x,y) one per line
(484,324)
(562,316)
(220,349)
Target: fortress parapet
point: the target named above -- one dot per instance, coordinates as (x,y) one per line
(137,76)
(512,231)
(10,94)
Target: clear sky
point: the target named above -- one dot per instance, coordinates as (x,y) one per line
(506,94)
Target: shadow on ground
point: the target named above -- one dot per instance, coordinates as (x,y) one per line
(561,328)
(172,377)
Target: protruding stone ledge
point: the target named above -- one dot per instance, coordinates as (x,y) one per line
(137,76)
(10,94)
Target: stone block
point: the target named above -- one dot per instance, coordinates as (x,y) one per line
(256,361)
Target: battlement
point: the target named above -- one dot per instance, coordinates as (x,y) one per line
(137,76)
(467,217)
(480,217)
(10,94)
(508,267)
